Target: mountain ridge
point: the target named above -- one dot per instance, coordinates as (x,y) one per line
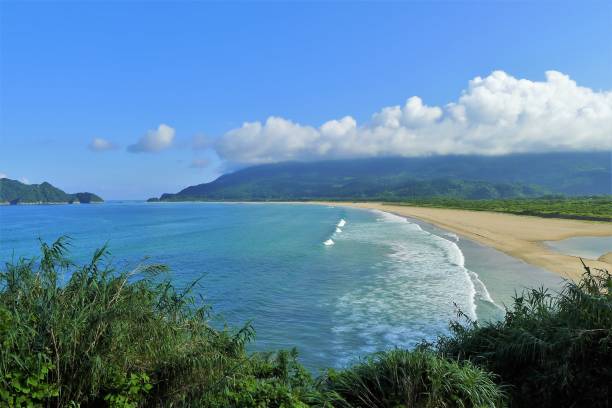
(394,178)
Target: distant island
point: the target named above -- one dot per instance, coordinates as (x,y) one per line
(14,192)
(404,178)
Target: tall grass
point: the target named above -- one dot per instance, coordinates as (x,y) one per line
(553,350)
(114,338)
(90,335)
(417,378)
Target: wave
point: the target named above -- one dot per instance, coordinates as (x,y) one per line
(342,223)
(386,216)
(477,290)
(452,236)
(338,230)
(329,242)
(413,294)
(480,291)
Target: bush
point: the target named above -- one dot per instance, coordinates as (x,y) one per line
(553,351)
(125,339)
(419,378)
(94,336)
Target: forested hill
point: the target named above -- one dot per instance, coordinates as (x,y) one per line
(469,177)
(16,192)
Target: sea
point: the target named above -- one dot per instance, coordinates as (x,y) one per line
(335,282)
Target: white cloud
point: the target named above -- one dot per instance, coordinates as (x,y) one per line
(24,180)
(154,140)
(100,145)
(3,175)
(495,115)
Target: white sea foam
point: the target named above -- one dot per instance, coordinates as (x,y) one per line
(328,242)
(342,223)
(452,236)
(481,289)
(411,296)
(386,216)
(338,230)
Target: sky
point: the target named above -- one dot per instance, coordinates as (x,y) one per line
(133,99)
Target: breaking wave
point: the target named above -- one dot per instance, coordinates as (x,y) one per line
(417,288)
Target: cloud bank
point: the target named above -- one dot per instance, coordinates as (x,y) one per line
(154,140)
(498,114)
(101,145)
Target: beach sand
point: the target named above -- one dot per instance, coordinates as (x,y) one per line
(516,235)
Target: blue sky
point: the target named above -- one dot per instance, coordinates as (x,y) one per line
(72,72)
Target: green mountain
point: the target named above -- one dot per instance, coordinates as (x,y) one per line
(468,177)
(16,192)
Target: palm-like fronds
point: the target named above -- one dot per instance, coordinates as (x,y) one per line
(554,351)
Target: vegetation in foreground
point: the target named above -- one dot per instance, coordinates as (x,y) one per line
(93,336)
(598,208)
(552,350)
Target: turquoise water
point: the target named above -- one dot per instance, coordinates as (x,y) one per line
(382,282)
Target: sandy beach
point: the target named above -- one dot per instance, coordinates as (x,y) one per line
(516,235)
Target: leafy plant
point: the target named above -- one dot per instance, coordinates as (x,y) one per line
(89,335)
(553,351)
(19,389)
(129,391)
(419,378)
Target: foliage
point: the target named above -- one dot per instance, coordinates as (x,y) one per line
(410,178)
(419,378)
(93,336)
(589,208)
(126,339)
(13,191)
(32,390)
(130,391)
(554,351)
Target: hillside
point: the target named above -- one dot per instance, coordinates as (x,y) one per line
(466,177)
(16,192)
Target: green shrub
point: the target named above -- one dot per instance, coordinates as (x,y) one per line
(419,378)
(553,351)
(89,336)
(93,336)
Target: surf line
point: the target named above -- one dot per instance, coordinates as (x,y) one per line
(338,230)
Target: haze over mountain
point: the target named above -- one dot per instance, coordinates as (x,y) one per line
(16,192)
(475,177)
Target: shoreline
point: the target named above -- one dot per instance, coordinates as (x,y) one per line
(519,236)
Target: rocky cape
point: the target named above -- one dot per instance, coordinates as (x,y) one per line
(13,192)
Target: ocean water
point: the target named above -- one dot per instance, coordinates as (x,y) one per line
(334,282)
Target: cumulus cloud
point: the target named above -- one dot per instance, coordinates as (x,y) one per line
(497,114)
(3,175)
(154,141)
(101,145)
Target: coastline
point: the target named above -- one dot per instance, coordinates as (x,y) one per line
(519,236)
